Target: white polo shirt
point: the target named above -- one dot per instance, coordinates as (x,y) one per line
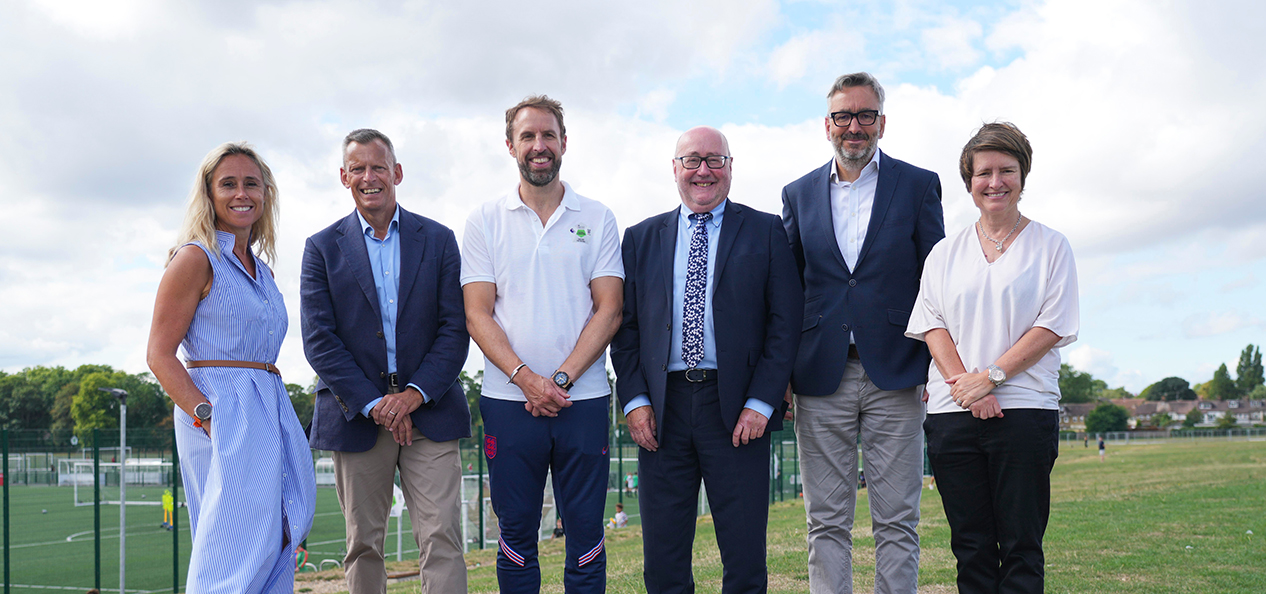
(542,273)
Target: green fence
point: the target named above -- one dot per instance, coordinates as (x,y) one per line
(62,508)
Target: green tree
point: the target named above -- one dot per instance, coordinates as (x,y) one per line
(1221,387)
(1116,393)
(1107,417)
(302,401)
(1226,421)
(1258,393)
(147,404)
(1248,373)
(1193,418)
(1078,386)
(472,385)
(1161,420)
(1169,389)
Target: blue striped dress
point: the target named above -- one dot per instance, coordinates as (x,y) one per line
(250,488)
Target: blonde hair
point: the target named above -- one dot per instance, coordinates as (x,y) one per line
(199,223)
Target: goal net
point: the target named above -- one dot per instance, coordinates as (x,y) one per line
(146,479)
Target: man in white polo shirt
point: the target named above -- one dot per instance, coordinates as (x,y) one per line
(543,281)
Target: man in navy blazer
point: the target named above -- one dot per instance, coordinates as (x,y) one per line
(384,327)
(860,227)
(702,358)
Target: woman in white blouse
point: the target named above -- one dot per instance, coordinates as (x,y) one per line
(996,301)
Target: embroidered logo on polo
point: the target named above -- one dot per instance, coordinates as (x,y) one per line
(581,232)
(696,289)
(490,446)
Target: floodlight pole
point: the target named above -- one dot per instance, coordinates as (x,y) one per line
(122,396)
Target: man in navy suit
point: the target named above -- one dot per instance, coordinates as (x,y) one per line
(385,330)
(703,356)
(860,227)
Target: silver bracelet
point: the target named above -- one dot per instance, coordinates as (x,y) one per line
(515,372)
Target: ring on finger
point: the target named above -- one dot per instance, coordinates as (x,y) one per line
(391,412)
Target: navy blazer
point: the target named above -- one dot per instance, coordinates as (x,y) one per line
(756,304)
(343,338)
(875,300)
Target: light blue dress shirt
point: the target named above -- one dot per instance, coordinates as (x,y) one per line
(384,261)
(685,231)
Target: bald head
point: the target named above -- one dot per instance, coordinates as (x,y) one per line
(701,132)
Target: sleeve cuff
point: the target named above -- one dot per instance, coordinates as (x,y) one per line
(370,407)
(639,400)
(425,399)
(759,406)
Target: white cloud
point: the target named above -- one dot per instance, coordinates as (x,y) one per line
(1205,324)
(951,44)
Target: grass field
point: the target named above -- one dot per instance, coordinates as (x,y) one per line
(1170,516)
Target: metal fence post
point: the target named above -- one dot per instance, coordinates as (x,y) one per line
(4,475)
(619,464)
(96,507)
(483,535)
(175,514)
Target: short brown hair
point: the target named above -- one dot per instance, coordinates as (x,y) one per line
(1002,137)
(539,102)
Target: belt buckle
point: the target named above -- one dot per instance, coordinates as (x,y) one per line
(393,379)
(695,376)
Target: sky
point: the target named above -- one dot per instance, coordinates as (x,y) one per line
(1145,117)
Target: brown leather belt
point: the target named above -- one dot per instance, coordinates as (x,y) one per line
(269,367)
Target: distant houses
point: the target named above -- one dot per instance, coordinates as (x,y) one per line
(1072,417)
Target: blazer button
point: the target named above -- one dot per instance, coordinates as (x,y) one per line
(852,282)
(382,374)
(663,367)
(380,335)
(668,326)
(845,327)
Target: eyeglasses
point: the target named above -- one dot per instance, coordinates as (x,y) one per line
(714,161)
(864,118)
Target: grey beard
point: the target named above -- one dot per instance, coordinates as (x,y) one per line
(854,164)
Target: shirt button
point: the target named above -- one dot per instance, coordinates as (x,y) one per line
(270,332)
(852,282)
(391,301)
(265,301)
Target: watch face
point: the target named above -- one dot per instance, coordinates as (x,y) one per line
(202,412)
(561,378)
(996,375)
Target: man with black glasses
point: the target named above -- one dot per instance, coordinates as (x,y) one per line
(860,227)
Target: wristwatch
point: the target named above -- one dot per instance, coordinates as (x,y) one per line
(997,375)
(562,380)
(202,412)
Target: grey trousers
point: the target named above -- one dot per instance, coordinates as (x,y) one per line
(890,424)
(431,479)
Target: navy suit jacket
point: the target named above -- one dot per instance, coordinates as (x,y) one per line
(343,338)
(875,300)
(756,302)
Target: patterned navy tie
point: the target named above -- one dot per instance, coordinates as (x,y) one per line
(696,289)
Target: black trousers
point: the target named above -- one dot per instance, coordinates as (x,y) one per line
(694,445)
(995,481)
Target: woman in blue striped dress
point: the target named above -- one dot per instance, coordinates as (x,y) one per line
(247,469)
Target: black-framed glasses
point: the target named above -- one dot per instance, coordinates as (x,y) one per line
(713,161)
(866,117)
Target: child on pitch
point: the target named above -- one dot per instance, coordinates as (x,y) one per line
(169,504)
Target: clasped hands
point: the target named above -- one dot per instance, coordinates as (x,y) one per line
(544,397)
(393,413)
(973,391)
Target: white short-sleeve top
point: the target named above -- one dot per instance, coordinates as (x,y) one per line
(986,308)
(542,273)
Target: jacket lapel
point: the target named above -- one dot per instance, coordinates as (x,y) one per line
(819,210)
(352,245)
(730,225)
(667,252)
(884,190)
(412,249)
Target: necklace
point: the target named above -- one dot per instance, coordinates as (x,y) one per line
(998,243)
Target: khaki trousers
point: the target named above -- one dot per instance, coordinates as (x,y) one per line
(430,476)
